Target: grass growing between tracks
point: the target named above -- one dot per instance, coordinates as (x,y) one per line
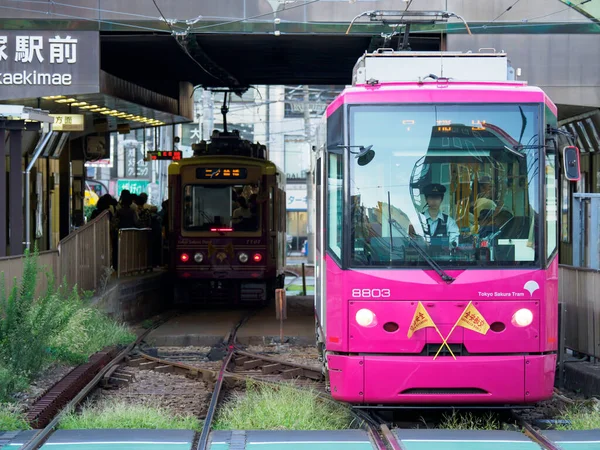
(119,414)
(11,419)
(56,326)
(581,416)
(282,407)
(470,421)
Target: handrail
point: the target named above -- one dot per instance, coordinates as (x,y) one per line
(45,252)
(84,227)
(134,251)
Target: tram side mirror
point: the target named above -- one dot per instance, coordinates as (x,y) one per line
(571,163)
(365,155)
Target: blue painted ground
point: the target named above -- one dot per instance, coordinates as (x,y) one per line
(300,440)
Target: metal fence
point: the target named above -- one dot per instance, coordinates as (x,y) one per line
(85,254)
(84,257)
(11,268)
(135,251)
(578,291)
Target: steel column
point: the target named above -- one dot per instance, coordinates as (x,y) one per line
(3,217)
(16,193)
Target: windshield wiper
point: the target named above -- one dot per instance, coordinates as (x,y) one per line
(444,276)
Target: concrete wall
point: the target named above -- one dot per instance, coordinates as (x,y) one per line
(566,66)
(134,299)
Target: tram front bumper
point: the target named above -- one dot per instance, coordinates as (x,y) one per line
(423,380)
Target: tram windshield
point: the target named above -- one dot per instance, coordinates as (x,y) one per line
(223,207)
(460,182)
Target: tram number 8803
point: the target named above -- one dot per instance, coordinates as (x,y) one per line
(370,293)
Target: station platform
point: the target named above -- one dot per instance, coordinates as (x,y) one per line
(437,439)
(211,327)
(292,440)
(423,439)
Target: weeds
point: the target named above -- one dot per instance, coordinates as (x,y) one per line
(11,419)
(280,408)
(470,421)
(118,414)
(56,326)
(581,417)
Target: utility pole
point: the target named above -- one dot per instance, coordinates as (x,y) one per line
(208,124)
(309,198)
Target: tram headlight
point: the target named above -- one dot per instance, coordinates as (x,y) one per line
(522,318)
(198,257)
(365,317)
(243,257)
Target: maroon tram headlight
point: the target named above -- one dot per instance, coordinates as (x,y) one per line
(257,258)
(198,257)
(243,257)
(184,257)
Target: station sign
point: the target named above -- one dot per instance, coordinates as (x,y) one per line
(296,197)
(170,155)
(68,122)
(47,63)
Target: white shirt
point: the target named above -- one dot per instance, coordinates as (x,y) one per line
(451,226)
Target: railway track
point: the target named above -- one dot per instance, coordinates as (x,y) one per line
(50,403)
(236,368)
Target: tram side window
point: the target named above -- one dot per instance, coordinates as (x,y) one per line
(551,202)
(334,204)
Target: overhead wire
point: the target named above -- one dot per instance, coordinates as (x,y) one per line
(181,45)
(55,3)
(525,24)
(556,12)
(89,19)
(258,16)
(504,12)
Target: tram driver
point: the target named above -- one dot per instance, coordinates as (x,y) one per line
(441,228)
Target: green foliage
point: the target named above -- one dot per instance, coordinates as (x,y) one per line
(582,417)
(10,382)
(11,419)
(470,421)
(89,331)
(119,414)
(55,326)
(271,408)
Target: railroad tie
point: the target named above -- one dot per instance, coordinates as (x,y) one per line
(272,368)
(253,364)
(292,373)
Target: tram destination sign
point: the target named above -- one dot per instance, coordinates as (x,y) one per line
(48,63)
(205,173)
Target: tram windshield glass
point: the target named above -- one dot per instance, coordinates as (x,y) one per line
(461,183)
(222,207)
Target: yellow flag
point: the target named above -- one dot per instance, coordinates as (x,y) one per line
(421,319)
(473,320)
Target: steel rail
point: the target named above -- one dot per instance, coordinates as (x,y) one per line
(374,428)
(535,435)
(203,441)
(43,434)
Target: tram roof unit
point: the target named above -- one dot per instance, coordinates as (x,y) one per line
(389,66)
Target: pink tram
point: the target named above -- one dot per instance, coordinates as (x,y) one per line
(436,255)
(226,224)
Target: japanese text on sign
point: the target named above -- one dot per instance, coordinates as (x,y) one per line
(33,49)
